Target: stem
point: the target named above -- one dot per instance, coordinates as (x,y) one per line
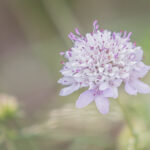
(63,24)
(129,124)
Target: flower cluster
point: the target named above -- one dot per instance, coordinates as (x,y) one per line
(102,60)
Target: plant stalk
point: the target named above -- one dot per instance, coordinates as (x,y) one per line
(129,124)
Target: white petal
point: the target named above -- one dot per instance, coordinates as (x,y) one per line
(102,104)
(129,89)
(117,82)
(68,90)
(85,98)
(103,86)
(90,39)
(111,92)
(139,54)
(141,87)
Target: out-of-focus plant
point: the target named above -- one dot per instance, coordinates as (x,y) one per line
(8,108)
(12,136)
(67,125)
(126,141)
(86,129)
(9,112)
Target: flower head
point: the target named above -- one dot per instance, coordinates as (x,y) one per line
(8,107)
(102,60)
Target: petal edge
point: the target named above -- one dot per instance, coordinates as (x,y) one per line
(102,104)
(69,90)
(84,99)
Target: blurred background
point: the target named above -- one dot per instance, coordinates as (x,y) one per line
(32,33)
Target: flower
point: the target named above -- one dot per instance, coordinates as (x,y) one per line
(102,60)
(8,107)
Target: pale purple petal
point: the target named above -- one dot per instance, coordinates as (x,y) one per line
(139,54)
(69,90)
(141,70)
(141,87)
(117,82)
(103,86)
(66,80)
(85,98)
(129,89)
(111,92)
(102,104)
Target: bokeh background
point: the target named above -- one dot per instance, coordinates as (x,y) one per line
(32,33)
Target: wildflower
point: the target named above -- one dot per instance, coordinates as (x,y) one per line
(102,60)
(8,107)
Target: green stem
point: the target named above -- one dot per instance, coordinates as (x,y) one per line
(129,124)
(63,24)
